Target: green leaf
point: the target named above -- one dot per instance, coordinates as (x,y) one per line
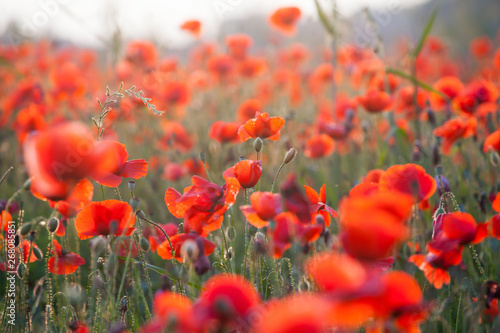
(415,80)
(324,19)
(425,33)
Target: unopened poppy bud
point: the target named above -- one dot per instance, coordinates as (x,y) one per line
(110,264)
(134,203)
(53,224)
(320,219)
(21,269)
(140,214)
(131,185)
(439,170)
(443,184)
(229,253)
(494,158)
(16,241)
(203,157)
(260,243)
(25,229)
(290,155)
(145,245)
(431,117)
(202,265)
(436,156)
(38,254)
(32,236)
(189,250)
(97,245)
(27,184)
(439,211)
(257,145)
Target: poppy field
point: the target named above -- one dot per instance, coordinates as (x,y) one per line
(249,188)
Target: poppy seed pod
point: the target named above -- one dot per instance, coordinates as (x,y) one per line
(53,224)
(131,185)
(145,246)
(290,155)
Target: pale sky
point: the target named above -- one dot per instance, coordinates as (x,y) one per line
(83,22)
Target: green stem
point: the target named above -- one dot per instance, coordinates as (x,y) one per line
(276,177)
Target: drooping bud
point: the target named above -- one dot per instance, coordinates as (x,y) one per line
(140,214)
(32,235)
(53,224)
(38,254)
(21,270)
(290,155)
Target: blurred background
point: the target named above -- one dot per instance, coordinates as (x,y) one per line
(98,24)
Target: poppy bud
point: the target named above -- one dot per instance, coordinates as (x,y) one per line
(202,265)
(242,158)
(140,214)
(189,250)
(438,212)
(110,264)
(439,170)
(494,158)
(257,144)
(16,241)
(27,184)
(97,245)
(327,235)
(53,224)
(443,184)
(134,203)
(131,185)
(320,219)
(436,156)
(229,253)
(145,245)
(38,288)
(248,172)
(260,243)
(431,117)
(231,233)
(290,155)
(203,157)
(32,236)
(25,229)
(38,254)
(21,269)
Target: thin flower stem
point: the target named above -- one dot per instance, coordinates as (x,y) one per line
(117,190)
(276,177)
(5,174)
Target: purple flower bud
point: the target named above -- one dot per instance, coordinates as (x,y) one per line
(444,182)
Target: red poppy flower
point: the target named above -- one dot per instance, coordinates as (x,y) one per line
(58,158)
(105,218)
(174,94)
(178,241)
(262,126)
(114,165)
(248,109)
(289,228)
(295,201)
(409,178)
(455,129)
(250,67)
(319,145)
(168,305)
(79,198)
(474,94)
(457,228)
(481,46)
(173,171)
(238,45)
(247,172)
(224,132)
(62,262)
(375,100)
(203,204)
(450,86)
(264,207)
(156,237)
(318,204)
(193,27)
(373,225)
(176,137)
(492,142)
(373,176)
(221,66)
(228,299)
(141,53)
(285,20)
(29,120)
